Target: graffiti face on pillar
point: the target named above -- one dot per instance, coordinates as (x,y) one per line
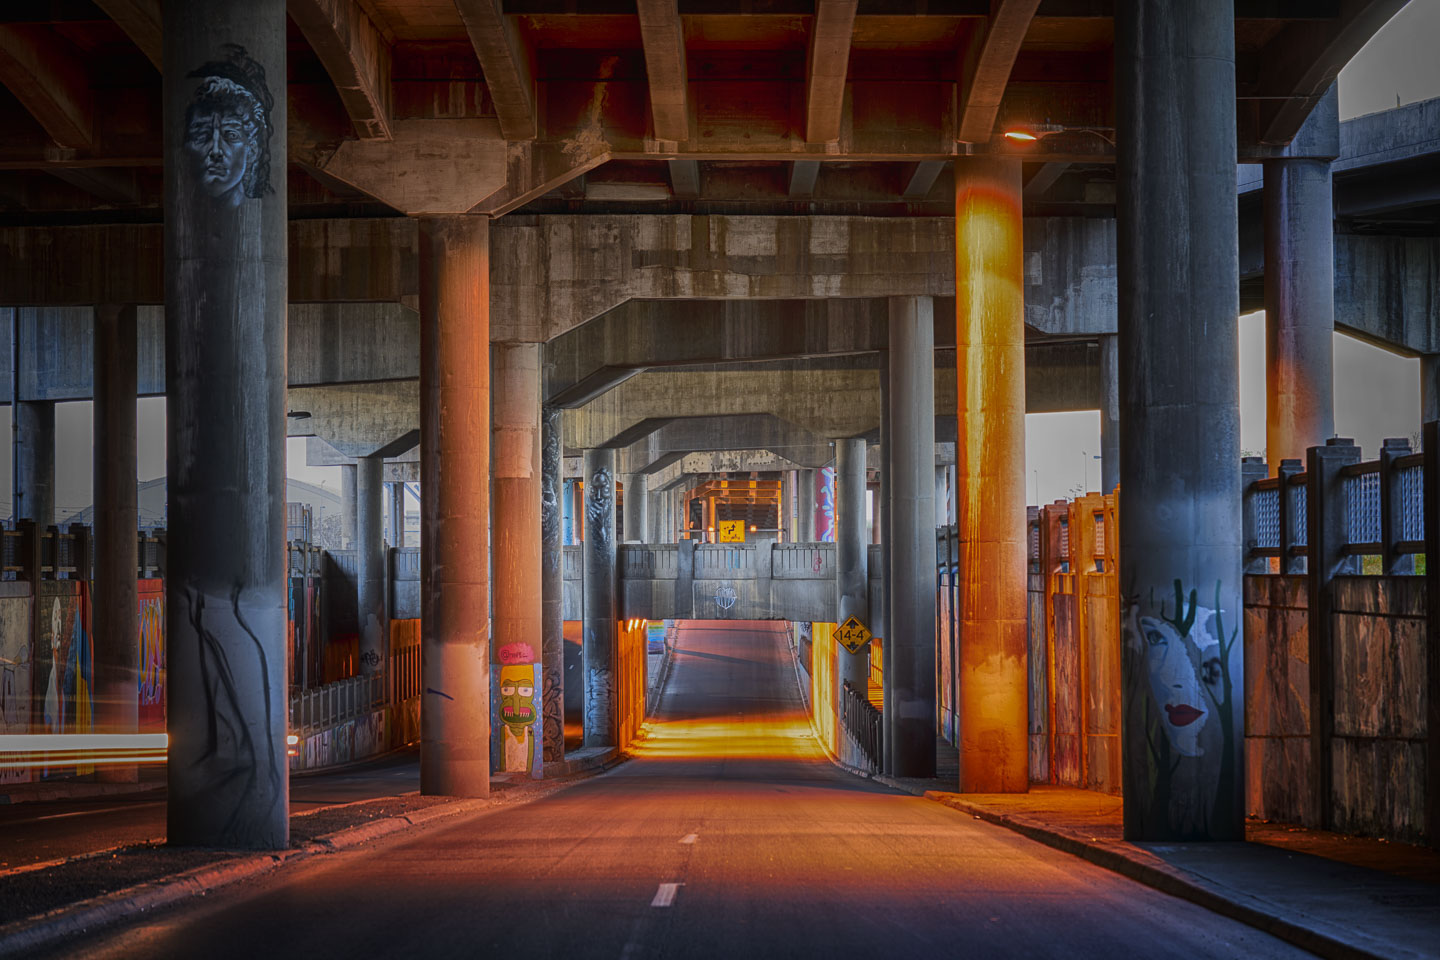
(228,129)
(599,505)
(517,713)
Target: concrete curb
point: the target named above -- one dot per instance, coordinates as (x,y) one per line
(1305,932)
(67,791)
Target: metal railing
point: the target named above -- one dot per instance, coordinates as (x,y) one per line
(321,707)
(863,723)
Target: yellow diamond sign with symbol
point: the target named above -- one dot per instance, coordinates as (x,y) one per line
(852,635)
(732,531)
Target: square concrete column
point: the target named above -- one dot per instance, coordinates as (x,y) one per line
(552,587)
(34,454)
(806,506)
(1109,414)
(852,583)
(397,515)
(455,510)
(602,720)
(1180,546)
(225,300)
(115,612)
(637,508)
(370,579)
(990,472)
(349,506)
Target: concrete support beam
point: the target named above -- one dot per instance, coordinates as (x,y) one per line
(990,465)
(922,178)
(827,63)
(552,626)
(1299,308)
(506,64)
(910,490)
(807,480)
(803,174)
(1429,387)
(1109,414)
(636,508)
(602,718)
(116,608)
(517,488)
(225,300)
(357,57)
(370,578)
(985,69)
(1180,524)
(349,504)
(140,20)
(50,80)
(397,514)
(34,455)
(852,597)
(455,507)
(663,37)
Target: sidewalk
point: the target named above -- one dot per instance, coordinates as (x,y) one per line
(1335,895)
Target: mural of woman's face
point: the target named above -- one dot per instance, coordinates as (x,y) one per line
(55,626)
(219,149)
(1174,684)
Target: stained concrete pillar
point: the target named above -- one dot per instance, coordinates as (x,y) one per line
(455,509)
(1299,307)
(1109,414)
(806,505)
(225,304)
(1429,387)
(942,504)
(990,470)
(1180,519)
(552,587)
(518,491)
(637,508)
(348,506)
(910,657)
(115,611)
(35,461)
(397,515)
(602,720)
(852,597)
(370,577)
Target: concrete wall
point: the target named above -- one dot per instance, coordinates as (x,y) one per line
(752,581)
(1277,698)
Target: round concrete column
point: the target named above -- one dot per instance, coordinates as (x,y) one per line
(1299,308)
(370,563)
(910,656)
(1430,387)
(397,515)
(115,612)
(455,507)
(602,720)
(1109,414)
(990,476)
(806,508)
(852,577)
(225,300)
(552,586)
(1180,519)
(349,505)
(637,507)
(35,461)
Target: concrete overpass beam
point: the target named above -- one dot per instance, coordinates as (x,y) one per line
(225,294)
(370,577)
(601,717)
(455,508)
(990,464)
(1180,524)
(116,606)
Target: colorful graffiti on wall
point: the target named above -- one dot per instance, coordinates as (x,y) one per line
(825,505)
(152,654)
(62,661)
(516,732)
(14,675)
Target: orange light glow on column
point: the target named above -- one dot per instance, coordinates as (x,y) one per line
(990,376)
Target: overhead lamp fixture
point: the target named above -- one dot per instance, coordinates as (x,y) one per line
(1032,132)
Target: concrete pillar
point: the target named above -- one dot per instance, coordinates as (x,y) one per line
(1299,306)
(602,720)
(806,507)
(115,611)
(225,304)
(942,503)
(370,563)
(552,586)
(518,494)
(852,597)
(1429,387)
(397,515)
(1109,414)
(637,508)
(35,461)
(910,658)
(455,509)
(990,468)
(1180,520)
(348,506)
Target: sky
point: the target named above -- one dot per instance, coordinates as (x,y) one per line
(1377,394)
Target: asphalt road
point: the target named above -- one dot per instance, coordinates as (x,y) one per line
(730,836)
(33,833)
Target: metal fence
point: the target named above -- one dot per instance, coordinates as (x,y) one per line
(321,707)
(862,722)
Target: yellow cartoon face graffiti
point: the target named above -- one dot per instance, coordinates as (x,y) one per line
(517,696)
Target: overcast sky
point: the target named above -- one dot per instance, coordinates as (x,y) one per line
(1377,394)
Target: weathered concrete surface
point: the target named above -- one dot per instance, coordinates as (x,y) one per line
(34,459)
(516,564)
(601,718)
(666,442)
(1277,699)
(760,580)
(370,574)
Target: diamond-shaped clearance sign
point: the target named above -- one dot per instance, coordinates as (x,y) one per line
(852,635)
(732,531)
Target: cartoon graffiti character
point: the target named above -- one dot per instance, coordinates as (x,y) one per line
(54,699)
(517,713)
(228,128)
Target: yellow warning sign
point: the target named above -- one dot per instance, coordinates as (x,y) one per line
(852,635)
(732,531)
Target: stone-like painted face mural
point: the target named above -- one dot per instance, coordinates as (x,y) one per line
(228,129)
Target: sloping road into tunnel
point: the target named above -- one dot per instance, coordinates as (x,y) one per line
(729,835)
